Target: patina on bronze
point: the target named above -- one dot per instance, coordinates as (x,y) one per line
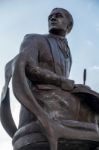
(55,113)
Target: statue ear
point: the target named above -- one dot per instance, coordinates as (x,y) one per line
(69,27)
(67,30)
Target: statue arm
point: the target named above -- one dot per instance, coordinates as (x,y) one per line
(45,76)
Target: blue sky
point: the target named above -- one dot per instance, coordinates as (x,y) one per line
(28,16)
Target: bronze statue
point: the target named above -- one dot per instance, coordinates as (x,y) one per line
(54,109)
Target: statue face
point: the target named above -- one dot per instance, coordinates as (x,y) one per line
(57,22)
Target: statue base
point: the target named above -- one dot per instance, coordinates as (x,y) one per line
(30,137)
(63,145)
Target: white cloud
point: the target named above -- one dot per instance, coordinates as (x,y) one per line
(97,26)
(90,5)
(90,43)
(94,68)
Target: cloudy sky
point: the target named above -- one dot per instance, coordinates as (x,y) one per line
(19,17)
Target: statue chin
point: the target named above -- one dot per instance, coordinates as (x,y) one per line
(57,31)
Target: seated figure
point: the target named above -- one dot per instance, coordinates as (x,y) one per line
(53,107)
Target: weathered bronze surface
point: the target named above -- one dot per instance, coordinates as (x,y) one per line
(55,112)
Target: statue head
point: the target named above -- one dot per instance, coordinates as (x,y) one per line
(60,21)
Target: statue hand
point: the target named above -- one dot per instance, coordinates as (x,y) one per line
(67,84)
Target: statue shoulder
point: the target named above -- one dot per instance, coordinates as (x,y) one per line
(37,40)
(33,36)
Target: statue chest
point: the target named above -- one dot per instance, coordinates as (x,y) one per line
(54,59)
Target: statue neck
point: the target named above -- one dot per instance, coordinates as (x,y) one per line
(57,36)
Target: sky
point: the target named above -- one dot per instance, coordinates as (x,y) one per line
(20,17)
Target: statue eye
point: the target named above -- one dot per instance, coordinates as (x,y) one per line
(59,15)
(56,15)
